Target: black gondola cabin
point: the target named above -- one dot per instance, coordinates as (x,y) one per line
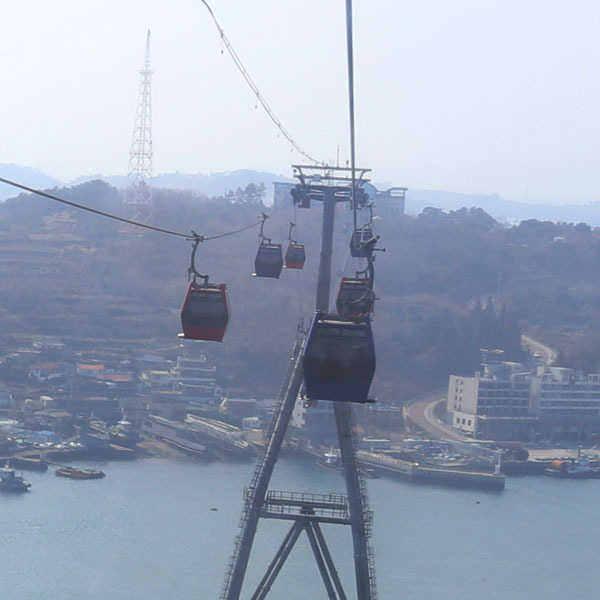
(268,261)
(359,238)
(339,358)
(205,312)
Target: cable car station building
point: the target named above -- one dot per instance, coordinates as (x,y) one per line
(504,401)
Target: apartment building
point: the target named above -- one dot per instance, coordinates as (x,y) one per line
(505,400)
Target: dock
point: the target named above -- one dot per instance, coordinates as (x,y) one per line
(413,471)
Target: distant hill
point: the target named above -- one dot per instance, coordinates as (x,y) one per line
(211,184)
(503,210)
(506,211)
(218,184)
(449,284)
(25,175)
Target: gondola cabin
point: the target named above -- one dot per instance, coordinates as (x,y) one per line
(205,312)
(339,358)
(295,256)
(268,261)
(359,238)
(355,297)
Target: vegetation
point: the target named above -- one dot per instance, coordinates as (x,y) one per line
(448,284)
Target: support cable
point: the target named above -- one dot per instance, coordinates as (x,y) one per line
(101,213)
(351,104)
(259,97)
(91,210)
(293,225)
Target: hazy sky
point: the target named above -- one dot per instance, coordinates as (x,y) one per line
(460,95)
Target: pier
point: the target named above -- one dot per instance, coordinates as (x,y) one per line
(413,471)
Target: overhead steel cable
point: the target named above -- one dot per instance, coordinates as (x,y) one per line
(240,66)
(351,103)
(91,210)
(123,219)
(222,235)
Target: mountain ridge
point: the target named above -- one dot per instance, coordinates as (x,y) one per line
(218,184)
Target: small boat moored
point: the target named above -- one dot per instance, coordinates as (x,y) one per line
(11,482)
(75,473)
(330,460)
(580,468)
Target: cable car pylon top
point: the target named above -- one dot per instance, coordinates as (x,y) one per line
(205,310)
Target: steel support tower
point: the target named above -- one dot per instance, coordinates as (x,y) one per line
(330,186)
(140,155)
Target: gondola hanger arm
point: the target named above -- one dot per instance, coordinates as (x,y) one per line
(197,240)
(290,239)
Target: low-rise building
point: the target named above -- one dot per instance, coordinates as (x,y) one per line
(47,371)
(196,379)
(90,370)
(239,407)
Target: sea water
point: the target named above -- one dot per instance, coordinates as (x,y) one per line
(165,529)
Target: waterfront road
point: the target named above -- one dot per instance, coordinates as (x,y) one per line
(420,413)
(547,354)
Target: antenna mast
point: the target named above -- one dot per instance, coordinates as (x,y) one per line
(140,155)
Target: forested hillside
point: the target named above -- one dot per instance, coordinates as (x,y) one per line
(448,283)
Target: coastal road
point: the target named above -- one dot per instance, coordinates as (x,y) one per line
(547,354)
(420,412)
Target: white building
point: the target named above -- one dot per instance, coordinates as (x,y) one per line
(504,401)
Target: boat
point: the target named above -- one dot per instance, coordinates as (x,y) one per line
(580,468)
(221,437)
(11,482)
(174,433)
(370,473)
(331,461)
(94,435)
(75,473)
(123,434)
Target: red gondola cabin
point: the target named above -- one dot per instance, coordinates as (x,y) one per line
(355,297)
(295,256)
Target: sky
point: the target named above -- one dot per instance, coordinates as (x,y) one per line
(471,96)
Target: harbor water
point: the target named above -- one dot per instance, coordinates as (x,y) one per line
(164,528)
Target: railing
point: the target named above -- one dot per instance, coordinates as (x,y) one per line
(368,524)
(300,503)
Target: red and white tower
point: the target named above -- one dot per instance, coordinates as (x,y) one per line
(140,155)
